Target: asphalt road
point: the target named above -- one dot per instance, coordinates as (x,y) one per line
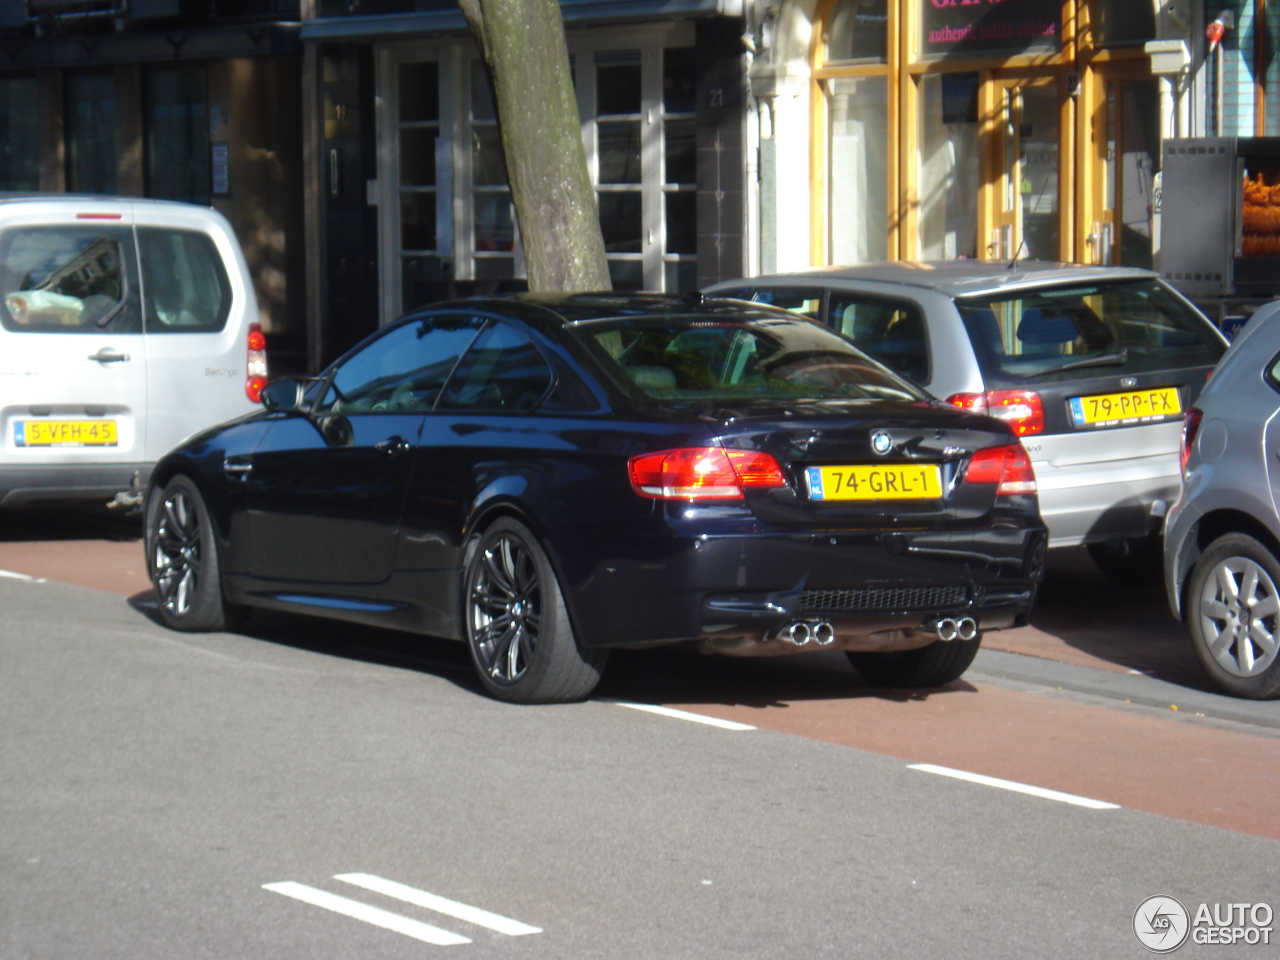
(166,795)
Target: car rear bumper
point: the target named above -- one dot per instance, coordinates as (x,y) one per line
(25,484)
(749,587)
(1085,503)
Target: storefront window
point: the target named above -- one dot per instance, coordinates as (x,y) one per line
(859,31)
(985,29)
(1123,22)
(495,231)
(178,161)
(948,167)
(91,133)
(418,127)
(858,216)
(19,135)
(680,170)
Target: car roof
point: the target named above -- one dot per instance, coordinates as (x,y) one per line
(573,308)
(959,278)
(80,198)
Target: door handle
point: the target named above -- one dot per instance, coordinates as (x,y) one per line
(107,355)
(393,446)
(236,469)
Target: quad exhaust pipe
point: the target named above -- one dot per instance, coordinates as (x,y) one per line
(966,628)
(803,632)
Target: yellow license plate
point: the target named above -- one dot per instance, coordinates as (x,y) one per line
(1134,406)
(910,481)
(65,433)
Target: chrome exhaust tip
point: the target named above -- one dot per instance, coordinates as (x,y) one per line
(824,634)
(947,629)
(967,628)
(797,633)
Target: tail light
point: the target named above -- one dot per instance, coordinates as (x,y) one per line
(1022,409)
(703,473)
(1009,467)
(1190,427)
(255,368)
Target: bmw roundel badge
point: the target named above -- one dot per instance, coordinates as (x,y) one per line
(881,442)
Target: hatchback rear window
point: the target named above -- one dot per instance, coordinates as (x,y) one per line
(692,359)
(1134,326)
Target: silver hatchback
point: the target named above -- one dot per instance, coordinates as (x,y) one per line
(1222,538)
(1093,366)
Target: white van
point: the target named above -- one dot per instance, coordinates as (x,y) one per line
(125,326)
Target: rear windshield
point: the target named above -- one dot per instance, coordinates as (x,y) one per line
(686,358)
(1134,326)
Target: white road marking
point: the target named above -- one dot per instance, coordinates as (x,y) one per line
(1015,787)
(450,908)
(682,715)
(21,576)
(359,911)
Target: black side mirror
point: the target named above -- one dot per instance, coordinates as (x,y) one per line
(285,395)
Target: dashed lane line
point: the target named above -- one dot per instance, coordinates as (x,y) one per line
(450,908)
(21,576)
(373,915)
(1015,787)
(681,715)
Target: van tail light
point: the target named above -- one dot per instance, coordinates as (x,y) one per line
(1009,467)
(1190,427)
(255,367)
(703,473)
(1021,409)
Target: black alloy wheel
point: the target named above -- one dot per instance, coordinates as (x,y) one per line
(182,560)
(522,644)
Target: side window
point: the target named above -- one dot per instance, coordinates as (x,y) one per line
(72,279)
(802,301)
(402,370)
(502,372)
(184,281)
(893,332)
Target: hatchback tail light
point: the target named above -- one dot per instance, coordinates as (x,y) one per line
(703,473)
(1009,467)
(1022,409)
(1190,427)
(255,363)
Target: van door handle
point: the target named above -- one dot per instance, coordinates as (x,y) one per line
(393,446)
(107,355)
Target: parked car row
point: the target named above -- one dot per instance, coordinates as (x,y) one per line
(872,459)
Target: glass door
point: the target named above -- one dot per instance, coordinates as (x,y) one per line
(1126,160)
(1024,185)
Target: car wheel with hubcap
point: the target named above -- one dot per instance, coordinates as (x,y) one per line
(517,628)
(1233,610)
(182,561)
(932,666)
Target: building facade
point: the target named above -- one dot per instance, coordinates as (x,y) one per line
(354,147)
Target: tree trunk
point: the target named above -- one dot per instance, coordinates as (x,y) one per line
(524,48)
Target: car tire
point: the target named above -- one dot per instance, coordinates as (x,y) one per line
(1234,575)
(182,561)
(516,625)
(933,666)
(1133,562)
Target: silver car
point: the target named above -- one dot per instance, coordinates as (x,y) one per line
(1222,538)
(1093,366)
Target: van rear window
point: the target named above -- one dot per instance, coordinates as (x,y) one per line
(67,279)
(1063,333)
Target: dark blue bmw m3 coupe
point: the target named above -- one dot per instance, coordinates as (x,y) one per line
(547,478)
